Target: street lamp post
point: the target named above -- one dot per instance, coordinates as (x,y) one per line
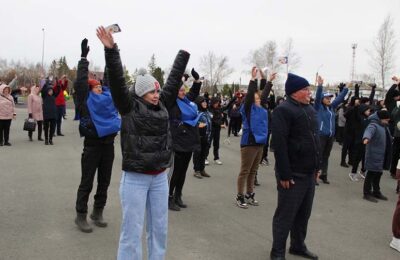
(43,50)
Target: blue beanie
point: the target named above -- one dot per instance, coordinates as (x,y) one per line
(295,83)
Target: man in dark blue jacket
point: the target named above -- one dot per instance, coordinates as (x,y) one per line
(297,158)
(326,124)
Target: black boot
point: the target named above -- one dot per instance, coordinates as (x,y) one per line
(256,183)
(97,217)
(82,224)
(172,205)
(51,141)
(46,141)
(179,202)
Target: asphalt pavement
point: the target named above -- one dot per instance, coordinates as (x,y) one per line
(38,187)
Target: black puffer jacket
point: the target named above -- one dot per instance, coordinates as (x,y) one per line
(185,138)
(218,112)
(295,139)
(145,137)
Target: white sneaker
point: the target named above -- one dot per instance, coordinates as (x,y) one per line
(395,244)
(207,162)
(353,176)
(218,162)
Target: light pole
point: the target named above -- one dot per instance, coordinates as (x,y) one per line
(353,64)
(43,50)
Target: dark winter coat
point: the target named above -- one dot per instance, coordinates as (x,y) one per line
(49,102)
(378,152)
(390,103)
(146,140)
(295,139)
(86,125)
(218,113)
(185,138)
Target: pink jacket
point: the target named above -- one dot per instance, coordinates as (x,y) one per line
(35,104)
(7,106)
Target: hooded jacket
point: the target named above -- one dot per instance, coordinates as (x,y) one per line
(378,152)
(326,114)
(146,140)
(7,106)
(35,104)
(60,86)
(49,102)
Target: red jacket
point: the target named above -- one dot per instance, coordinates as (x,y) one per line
(60,100)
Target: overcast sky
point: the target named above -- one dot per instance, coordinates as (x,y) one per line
(323,31)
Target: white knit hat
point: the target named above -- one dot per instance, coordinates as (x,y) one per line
(145,83)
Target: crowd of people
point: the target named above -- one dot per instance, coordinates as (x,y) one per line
(163,128)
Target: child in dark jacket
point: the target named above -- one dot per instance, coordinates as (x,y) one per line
(49,112)
(378,141)
(199,157)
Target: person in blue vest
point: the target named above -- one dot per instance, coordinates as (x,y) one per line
(254,137)
(99,124)
(326,121)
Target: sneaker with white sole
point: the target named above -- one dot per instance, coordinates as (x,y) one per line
(218,162)
(251,200)
(395,244)
(240,201)
(353,176)
(207,162)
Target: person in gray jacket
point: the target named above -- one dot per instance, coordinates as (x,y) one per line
(378,141)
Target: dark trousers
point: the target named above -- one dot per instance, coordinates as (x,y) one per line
(4,130)
(49,126)
(39,130)
(372,181)
(181,163)
(358,156)
(340,134)
(266,148)
(215,136)
(326,148)
(395,155)
(99,157)
(292,214)
(347,147)
(60,115)
(234,126)
(199,157)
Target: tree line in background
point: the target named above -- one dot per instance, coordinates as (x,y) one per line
(216,68)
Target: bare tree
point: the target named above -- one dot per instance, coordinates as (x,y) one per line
(265,56)
(383,53)
(215,69)
(292,57)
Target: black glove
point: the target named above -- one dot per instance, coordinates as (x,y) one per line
(30,115)
(373,85)
(195,75)
(84,48)
(186,76)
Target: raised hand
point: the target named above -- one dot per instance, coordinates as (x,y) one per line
(105,37)
(320,81)
(195,75)
(254,73)
(272,76)
(84,48)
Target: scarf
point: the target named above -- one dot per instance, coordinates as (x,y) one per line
(188,111)
(103,113)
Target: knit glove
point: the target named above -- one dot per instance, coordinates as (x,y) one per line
(84,48)
(195,75)
(30,115)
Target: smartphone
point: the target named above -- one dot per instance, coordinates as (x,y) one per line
(113,28)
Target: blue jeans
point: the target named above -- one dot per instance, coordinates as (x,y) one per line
(140,192)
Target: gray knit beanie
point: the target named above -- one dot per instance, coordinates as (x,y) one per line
(145,83)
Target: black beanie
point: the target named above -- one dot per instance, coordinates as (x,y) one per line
(383,114)
(295,83)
